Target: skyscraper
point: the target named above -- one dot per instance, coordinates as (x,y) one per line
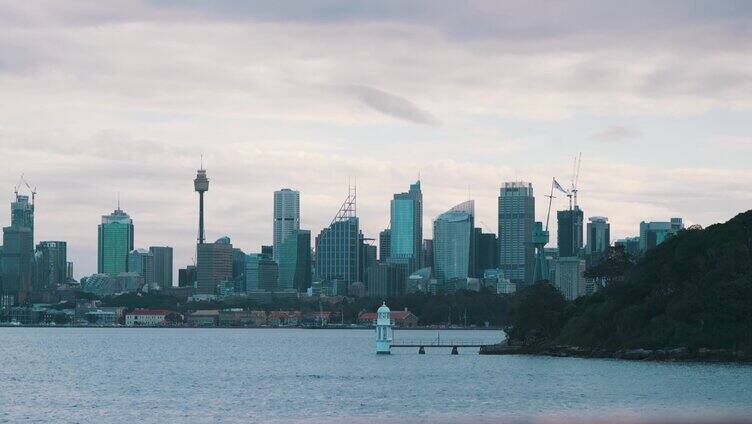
(115,241)
(141,261)
(261,273)
(569,235)
(294,260)
(337,246)
(51,264)
(516,218)
(286,217)
(162,266)
(453,242)
(598,235)
(18,251)
(485,252)
(214,265)
(385,242)
(406,244)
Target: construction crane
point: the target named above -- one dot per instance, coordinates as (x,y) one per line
(575,180)
(32,190)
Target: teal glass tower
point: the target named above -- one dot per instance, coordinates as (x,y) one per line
(114,243)
(406,213)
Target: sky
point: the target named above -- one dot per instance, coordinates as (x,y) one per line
(99,98)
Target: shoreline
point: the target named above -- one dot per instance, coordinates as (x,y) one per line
(335,327)
(680,354)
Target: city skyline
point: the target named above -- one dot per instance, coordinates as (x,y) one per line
(661,134)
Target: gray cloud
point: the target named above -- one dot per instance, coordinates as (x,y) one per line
(391,105)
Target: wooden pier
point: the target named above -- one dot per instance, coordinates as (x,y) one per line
(455,345)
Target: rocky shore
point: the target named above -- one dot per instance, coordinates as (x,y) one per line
(677,354)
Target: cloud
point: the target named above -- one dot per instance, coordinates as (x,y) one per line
(615,134)
(391,105)
(100,99)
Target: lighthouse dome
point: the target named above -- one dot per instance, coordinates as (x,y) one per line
(383,308)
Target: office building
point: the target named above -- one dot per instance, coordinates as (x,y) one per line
(366,257)
(485,252)
(516,218)
(141,262)
(261,273)
(598,235)
(570,277)
(294,260)
(654,233)
(267,250)
(338,246)
(569,235)
(162,266)
(428,253)
(406,229)
(453,242)
(115,241)
(17,262)
(386,280)
(187,276)
(214,265)
(385,241)
(286,217)
(631,245)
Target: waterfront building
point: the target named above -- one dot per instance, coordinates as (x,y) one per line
(406,224)
(569,235)
(214,265)
(146,317)
(516,218)
(453,242)
(294,261)
(141,261)
(654,233)
(286,218)
(115,241)
(261,273)
(570,277)
(385,241)
(162,266)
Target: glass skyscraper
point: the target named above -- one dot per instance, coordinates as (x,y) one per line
(516,219)
(406,242)
(294,260)
(162,265)
(18,251)
(115,241)
(453,242)
(286,217)
(337,251)
(569,234)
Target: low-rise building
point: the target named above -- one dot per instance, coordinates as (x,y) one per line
(401,319)
(146,317)
(284,318)
(203,318)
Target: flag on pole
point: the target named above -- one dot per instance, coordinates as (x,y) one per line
(559,187)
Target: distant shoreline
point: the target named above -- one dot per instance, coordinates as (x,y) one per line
(652,355)
(259,328)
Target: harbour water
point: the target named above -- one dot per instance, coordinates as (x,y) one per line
(292,375)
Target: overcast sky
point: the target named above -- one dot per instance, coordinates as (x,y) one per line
(104,97)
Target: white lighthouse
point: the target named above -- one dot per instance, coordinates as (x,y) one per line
(383,330)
